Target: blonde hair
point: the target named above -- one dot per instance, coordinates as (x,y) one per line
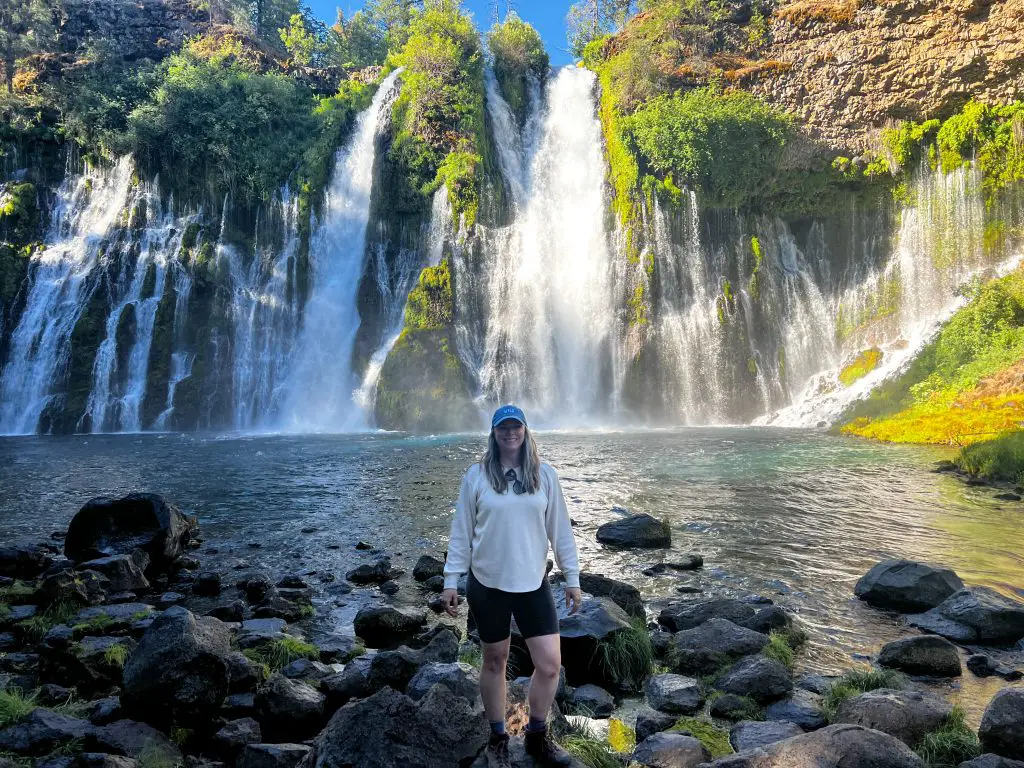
(529,460)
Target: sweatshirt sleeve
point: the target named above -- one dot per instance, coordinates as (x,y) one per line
(460,541)
(560,534)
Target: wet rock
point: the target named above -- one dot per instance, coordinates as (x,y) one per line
(757,677)
(302,595)
(923,655)
(802,708)
(390,588)
(1002,725)
(650,721)
(992,761)
(272,755)
(716,642)
(1007,496)
(983,666)
(635,531)
(25,560)
(130,738)
(232,613)
(121,571)
(276,606)
(427,567)
(105,711)
(673,693)
(396,668)
(117,526)
(748,735)
(180,671)
(592,700)
(375,573)
(41,732)
(390,729)
(907,585)
(207,584)
(338,648)
(435,584)
(975,615)
(769,619)
(383,626)
(230,740)
(907,715)
(670,750)
(256,586)
(289,709)
(692,613)
(308,670)
(258,632)
(624,595)
(170,599)
(244,674)
(461,679)
(350,683)
(292,581)
(92,665)
(837,746)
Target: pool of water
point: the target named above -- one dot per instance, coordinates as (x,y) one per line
(797,516)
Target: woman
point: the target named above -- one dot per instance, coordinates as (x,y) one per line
(510,507)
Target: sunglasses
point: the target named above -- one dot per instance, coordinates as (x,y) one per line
(517,486)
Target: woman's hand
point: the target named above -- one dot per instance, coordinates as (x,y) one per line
(573,599)
(450,601)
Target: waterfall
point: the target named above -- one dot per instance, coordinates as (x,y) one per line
(84,217)
(548,325)
(318,393)
(181,358)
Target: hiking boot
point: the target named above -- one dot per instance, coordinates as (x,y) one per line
(497,751)
(544,751)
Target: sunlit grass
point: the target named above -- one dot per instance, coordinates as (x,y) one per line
(857,681)
(715,739)
(627,657)
(998,459)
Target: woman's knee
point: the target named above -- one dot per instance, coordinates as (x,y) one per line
(547,662)
(495,657)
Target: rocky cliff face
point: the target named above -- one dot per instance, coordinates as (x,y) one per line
(136,29)
(851,67)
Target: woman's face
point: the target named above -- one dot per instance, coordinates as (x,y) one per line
(510,435)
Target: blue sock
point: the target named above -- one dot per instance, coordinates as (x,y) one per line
(537,723)
(497,727)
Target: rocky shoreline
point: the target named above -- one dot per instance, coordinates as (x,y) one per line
(117,649)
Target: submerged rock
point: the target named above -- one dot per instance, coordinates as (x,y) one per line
(636,531)
(1002,725)
(802,708)
(692,613)
(975,615)
(907,715)
(385,625)
(983,666)
(923,655)
(907,585)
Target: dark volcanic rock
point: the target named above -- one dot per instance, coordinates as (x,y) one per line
(42,732)
(390,729)
(289,709)
(307,669)
(716,642)
(624,595)
(907,585)
(461,679)
(350,683)
(427,567)
(592,700)
(340,648)
(773,617)
(975,615)
(677,750)
(244,674)
(68,588)
(923,655)
(235,735)
(596,622)
(747,735)
(518,758)
(383,626)
(129,738)
(760,678)
(992,761)
(692,613)
(396,668)
(802,708)
(121,571)
(207,584)
(983,666)
(180,672)
(636,531)
(907,715)
(1002,725)
(377,573)
(25,560)
(838,746)
(92,665)
(117,526)
(650,721)
(272,755)
(673,693)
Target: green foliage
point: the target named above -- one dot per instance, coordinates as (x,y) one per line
(999,459)
(857,681)
(473,656)
(863,364)
(593,752)
(715,739)
(15,592)
(365,39)
(518,54)
(15,706)
(280,653)
(35,629)
(26,27)
(116,655)
(903,143)
(19,213)
(778,648)
(726,144)
(298,41)
(97,623)
(627,657)
(954,743)
(430,304)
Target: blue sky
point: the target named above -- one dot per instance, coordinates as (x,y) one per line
(548,16)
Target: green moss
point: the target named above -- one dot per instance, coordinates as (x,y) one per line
(715,739)
(19,213)
(89,332)
(863,364)
(14,263)
(97,624)
(430,304)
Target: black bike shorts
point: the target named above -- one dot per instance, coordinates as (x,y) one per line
(493,610)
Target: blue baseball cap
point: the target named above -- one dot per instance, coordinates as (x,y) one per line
(507,412)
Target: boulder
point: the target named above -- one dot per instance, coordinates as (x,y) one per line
(673,693)
(41,732)
(427,567)
(383,626)
(713,644)
(624,595)
(748,735)
(635,531)
(907,715)
(75,589)
(272,755)
(350,683)
(650,721)
(239,705)
(922,655)
(757,677)
(670,750)
(592,700)
(907,585)
(289,709)
(230,740)
(1002,725)
(983,666)
(132,739)
(308,670)
(390,729)
(179,673)
(26,559)
(207,584)
(802,707)
(121,571)
(338,648)
(991,761)
(461,679)
(396,668)
(772,617)
(692,613)
(582,634)
(837,746)
(975,615)
(117,526)
(375,573)
(244,674)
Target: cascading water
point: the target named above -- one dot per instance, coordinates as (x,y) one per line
(548,291)
(319,389)
(181,358)
(84,217)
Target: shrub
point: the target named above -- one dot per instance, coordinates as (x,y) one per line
(518,54)
(954,743)
(116,655)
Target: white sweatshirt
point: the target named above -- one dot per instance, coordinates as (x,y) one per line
(504,536)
